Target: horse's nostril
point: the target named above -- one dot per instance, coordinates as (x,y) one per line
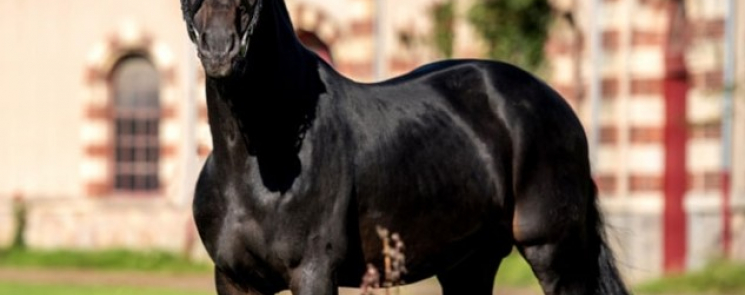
(203,41)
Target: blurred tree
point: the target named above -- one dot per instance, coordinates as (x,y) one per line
(19,214)
(514,30)
(443,14)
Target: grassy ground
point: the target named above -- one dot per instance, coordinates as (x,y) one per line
(111,272)
(515,272)
(66,289)
(716,279)
(126,272)
(102,260)
(719,277)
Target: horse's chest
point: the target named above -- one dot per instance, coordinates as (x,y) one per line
(264,234)
(247,247)
(255,236)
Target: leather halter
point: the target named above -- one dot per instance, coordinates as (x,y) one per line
(246,39)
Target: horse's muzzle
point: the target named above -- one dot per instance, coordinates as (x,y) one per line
(217,67)
(218,49)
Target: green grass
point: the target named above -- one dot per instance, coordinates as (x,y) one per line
(158,261)
(52,289)
(719,277)
(515,272)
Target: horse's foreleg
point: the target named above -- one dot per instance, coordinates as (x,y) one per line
(226,286)
(313,278)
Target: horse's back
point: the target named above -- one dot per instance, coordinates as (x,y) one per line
(487,93)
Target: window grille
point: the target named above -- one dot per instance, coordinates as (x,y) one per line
(136,123)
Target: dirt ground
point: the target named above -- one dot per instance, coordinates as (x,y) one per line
(186,281)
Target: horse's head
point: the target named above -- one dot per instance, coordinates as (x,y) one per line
(220,29)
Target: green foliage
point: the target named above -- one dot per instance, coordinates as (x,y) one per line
(720,277)
(443,15)
(158,261)
(514,30)
(56,289)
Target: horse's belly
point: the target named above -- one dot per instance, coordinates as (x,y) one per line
(442,201)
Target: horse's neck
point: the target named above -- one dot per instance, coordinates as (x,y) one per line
(275,59)
(268,101)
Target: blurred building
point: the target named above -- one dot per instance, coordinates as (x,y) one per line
(103,115)
(648,79)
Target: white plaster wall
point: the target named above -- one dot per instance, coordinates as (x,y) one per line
(46,45)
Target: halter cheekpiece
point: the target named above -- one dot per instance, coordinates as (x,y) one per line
(251,26)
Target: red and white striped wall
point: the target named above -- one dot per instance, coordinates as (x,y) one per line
(96,132)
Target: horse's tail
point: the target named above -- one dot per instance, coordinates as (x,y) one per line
(609,280)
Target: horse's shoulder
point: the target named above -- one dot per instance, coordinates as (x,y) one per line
(206,176)
(207,207)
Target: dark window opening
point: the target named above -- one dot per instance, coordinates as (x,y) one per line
(136,120)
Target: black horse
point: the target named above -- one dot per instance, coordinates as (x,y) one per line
(464,159)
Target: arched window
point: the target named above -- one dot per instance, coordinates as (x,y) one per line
(136,116)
